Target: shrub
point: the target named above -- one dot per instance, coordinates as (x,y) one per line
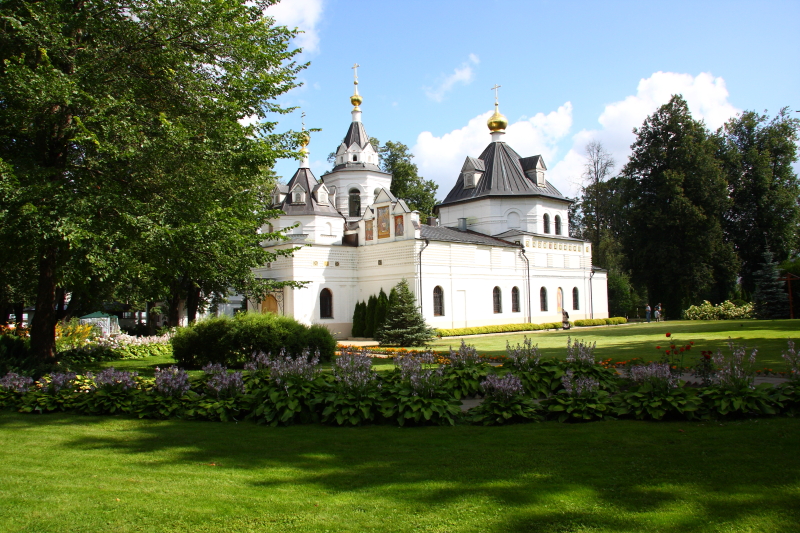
(231,341)
(465,372)
(503,328)
(613,321)
(656,393)
(727,310)
(580,400)
(15,357)
(539,378)
(110,392)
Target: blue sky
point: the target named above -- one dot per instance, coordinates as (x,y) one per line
(570,71)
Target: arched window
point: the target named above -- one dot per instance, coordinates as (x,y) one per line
(355,157)
(355,203)
(326,304)
(513,220)
(575,304)
(546,223)
(497,299)
(438,301)
(515,300)
(543,298)
(558,225)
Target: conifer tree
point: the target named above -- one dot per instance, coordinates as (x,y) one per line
(405,325)
(369,319)
(381,310)
(771,301)
(392,298)
(358,320)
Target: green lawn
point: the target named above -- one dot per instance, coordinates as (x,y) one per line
(640,339)
(83,474)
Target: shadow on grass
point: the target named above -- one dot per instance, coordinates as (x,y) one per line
(613,476)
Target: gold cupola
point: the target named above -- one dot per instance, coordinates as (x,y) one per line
(356,98)
(498,121)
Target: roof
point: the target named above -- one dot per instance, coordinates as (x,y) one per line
(305,179)
(441,233)
(504,176)
(508,233)
(96,314)
(356,134)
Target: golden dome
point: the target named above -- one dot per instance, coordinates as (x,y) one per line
(304,139)
(355,100)
(497,122)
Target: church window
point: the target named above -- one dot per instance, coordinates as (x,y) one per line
(438,301)
(355,157)
(558,225)
(543,298)
(575,305)
(298,196)
(513,220)
(469,180)
(326,304)
(355,203)
(497,300)
(515,300)
(546,223)
(322,197)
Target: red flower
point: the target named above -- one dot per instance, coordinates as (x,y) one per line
(681,349)
(691,342)
(669,334)
(667,352)
(658,347)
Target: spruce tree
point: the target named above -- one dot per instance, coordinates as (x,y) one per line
(381,310)
(358,320)
(369,319)
(771,301)
(392,298)
(405,325)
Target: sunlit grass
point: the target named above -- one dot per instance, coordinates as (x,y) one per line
(72,473)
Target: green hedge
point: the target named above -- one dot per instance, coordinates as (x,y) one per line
(458,332)
(601,321)
(231,341)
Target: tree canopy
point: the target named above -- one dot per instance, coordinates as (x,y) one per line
(128,164)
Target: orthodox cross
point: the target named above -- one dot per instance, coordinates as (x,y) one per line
(495,92)
(303,119)
(355,72)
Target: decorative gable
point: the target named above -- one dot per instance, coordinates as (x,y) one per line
(298,195)
(534,169)
(384,197)
(472,170)
(322,194)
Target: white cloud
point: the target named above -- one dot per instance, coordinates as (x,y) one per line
(705,94)
(463,74)
(301,14)
(440,158)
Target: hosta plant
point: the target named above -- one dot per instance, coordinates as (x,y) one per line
(418,397)
(580,400)
(221,397)
(13,387)
(580,361)
(54,392)
(290,392)
(539,377)
(465,372)
(788,394)
(110,392)
(733,392)
(354,397)
(504,402)
(169,396)
(655,393)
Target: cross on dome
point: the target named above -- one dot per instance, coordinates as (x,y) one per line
(356,98)
(497,123)
(495,92)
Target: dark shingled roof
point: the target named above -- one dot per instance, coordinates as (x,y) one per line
(305,178)
(508,234)
(356,134)
(355,165)
(504,175)
(440,233)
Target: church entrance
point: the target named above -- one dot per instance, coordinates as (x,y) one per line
(269,305)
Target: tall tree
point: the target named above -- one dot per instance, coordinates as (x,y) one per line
(120,122)
(405,325)
(675,199)
(595,202)
(770,298)
(757,155)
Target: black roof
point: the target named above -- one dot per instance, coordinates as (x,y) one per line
(504,175)
(441,233)
(510,232)
(356,134)
(305,178)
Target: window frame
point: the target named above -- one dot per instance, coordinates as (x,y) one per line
(329,293)
(438,301)
(575,299)
(497,300)
(546,223)
(543,299)
(515,307)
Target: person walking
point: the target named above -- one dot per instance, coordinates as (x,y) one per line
(658,312)
(565,320)
(647,312)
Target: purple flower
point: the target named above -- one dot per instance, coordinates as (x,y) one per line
(59,380)
(172,381)
(737,370)
(419,373)
(221,383)
(792,358)
(524,357)
(580,352)
(15,382)
(115,379)
(502,388)
(353,371)
(579,386)
(655,373)
(465,356)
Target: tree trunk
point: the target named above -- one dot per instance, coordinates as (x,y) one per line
(173,319)
(192,303)
(19,311)
(5,311)
(151,326)
(43,326)
(61,302)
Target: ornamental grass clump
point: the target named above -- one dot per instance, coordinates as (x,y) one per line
(418,395)
(732,392)
(463,375)
(291,391)
(504,402)
(580,400)
(655,392)
(354,397)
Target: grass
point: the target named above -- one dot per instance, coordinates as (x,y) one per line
(640,339)
(84,474)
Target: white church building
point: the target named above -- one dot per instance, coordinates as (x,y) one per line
(499,251)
